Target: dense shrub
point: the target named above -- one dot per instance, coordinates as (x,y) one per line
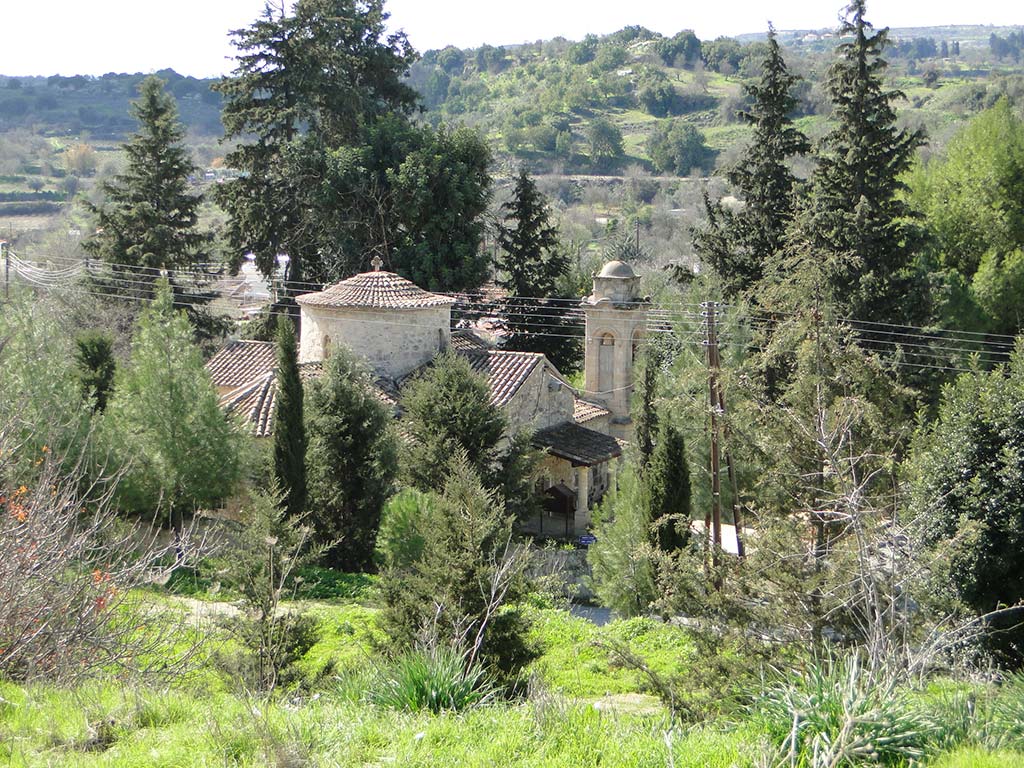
(436,679)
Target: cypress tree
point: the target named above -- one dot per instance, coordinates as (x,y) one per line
(350,461)
(857,221)
(667,485)
(289,427)
(646,421)
(737,245)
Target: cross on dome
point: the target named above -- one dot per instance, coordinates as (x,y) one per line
(377,262)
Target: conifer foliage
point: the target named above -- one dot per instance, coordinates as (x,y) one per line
(289,427)
(739,244)
(667,484)
(149,215)
(94,360)
(165,422)
(857,217)
(350,462)
(530,263)
(320,73)
(448,408)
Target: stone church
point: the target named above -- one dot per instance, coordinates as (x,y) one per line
(398,328)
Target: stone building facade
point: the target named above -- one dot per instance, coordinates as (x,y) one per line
(398,328)
(616,321)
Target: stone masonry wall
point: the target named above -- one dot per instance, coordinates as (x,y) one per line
(393,342)
(542,401)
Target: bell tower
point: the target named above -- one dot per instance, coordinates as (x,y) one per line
(616,323)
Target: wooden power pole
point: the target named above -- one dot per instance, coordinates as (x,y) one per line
(713,519)
(716,398)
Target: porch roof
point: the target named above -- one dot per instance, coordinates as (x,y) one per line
(581,446)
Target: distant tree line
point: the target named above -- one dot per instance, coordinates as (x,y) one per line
(1008,47)
(99,105)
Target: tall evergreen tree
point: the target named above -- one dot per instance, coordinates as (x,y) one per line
(289,426)
(857,220)
(739,244)
(448,407)
(530,264)
(530,261)
(667,486)
(350,462)
(149,216)
(322,71)
(165,422)
(646,419)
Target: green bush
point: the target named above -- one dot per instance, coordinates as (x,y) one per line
(834,715)
(435,679)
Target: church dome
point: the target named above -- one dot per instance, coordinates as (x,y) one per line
(375,290)
(617,269)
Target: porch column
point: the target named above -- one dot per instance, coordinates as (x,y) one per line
(582,519)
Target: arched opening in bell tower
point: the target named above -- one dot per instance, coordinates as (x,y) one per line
(605,362)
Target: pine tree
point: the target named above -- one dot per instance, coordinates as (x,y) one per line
(289,427)
(164,419)
(667,486)
(737,245)
(857,218)
(350,462)
(463,571)
(622,560)
(447,408)
(530,264)
(149,216)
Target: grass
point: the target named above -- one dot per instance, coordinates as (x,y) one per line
(575,665)
(578,713)
(50,727)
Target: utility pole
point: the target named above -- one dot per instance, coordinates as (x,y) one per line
(7,269)
(730,469)
(713,519)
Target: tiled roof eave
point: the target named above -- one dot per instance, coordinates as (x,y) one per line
(578,445)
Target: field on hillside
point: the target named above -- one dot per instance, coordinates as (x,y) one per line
(581,706)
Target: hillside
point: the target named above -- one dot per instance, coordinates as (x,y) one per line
(614,125)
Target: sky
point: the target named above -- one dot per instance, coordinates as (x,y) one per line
(73,37)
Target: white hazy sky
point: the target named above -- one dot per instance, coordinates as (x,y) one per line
(68,37)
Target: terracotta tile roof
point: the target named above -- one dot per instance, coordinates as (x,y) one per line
(375,290)
(464,340)
(584,411)
(505,371)
(240,362)
(257,400)
(579,445)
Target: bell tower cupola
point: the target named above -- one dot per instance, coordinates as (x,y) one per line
(616,321)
